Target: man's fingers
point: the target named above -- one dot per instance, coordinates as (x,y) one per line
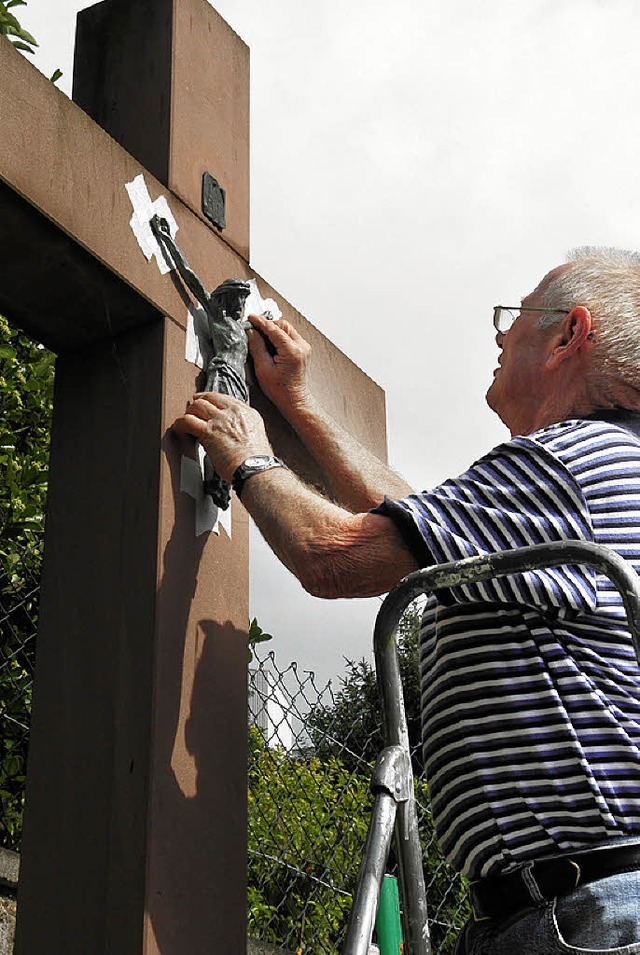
(228,430)
(190,424)
(201,410)
(212,399)
(271,342)
(279,332)
(258,346)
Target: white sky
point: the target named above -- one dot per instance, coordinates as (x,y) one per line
(414,164)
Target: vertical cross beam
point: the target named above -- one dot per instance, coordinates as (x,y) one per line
(141,670)
(169,80)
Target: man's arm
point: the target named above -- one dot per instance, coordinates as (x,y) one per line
(357,479)
(331,551)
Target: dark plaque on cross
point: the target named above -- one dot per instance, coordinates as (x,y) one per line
(135,827)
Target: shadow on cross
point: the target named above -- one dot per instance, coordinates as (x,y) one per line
(198,854)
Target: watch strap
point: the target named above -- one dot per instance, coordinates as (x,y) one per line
(253,465)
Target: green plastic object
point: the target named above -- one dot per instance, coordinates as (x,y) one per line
(388,925)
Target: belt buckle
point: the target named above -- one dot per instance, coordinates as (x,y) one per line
(548,878)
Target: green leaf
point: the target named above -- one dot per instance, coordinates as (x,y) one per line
(24,35)
(257,634)
(19,45)
(10,24)
(56,76)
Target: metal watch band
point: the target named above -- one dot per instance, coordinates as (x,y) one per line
(253,465)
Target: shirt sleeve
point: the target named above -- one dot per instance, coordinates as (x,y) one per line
(517,495)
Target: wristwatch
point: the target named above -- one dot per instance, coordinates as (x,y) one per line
(253,465)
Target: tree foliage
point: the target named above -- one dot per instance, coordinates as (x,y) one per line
(26,395)
(26,401)
(15,33)
(10,27)
(308,825)
(352,727)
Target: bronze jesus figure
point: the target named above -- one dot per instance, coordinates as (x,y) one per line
(225,371)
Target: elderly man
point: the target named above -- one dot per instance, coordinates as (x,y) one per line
(531,690)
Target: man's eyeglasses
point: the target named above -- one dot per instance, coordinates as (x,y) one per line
(504,316)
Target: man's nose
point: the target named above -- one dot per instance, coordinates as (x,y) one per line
(500,337)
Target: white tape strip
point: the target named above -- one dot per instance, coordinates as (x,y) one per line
(208,516)
(257,305)
(198,347)
(223,518)
(144,208)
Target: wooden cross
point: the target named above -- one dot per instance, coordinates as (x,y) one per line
(135,828)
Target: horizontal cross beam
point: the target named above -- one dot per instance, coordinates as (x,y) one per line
(73,272)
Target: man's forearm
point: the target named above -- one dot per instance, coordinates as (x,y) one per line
(356,478)
(332,552)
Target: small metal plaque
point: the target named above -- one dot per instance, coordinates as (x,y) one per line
(213,201)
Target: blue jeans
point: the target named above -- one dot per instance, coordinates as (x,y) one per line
(601,917)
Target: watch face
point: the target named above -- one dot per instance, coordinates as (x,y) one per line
(256,461)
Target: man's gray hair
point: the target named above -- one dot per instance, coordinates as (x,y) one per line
(607,282)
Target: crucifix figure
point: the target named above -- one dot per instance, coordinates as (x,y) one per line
(225,372)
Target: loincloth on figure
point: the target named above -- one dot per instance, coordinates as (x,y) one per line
(222,377)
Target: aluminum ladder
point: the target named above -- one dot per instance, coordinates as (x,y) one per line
(394,810)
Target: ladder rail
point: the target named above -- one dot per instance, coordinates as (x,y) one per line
(370,876)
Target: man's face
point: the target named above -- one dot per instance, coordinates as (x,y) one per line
(520,385)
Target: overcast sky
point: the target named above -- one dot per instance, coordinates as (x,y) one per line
(413,164)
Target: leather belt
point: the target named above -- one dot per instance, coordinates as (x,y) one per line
(535,883)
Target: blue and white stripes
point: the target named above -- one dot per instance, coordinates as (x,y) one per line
(531,691)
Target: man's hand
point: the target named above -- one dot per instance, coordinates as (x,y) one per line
(283,375)
(229,430)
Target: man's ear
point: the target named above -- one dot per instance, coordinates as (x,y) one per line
(572,334)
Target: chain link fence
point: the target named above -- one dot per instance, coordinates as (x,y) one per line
(309,807)
(309,774)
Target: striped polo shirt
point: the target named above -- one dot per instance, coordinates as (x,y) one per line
(530,686)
